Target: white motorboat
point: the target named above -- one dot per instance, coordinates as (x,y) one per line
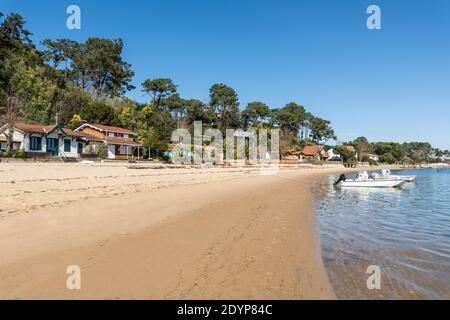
(363,180)
(386,174)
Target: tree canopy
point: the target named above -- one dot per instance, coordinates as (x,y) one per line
(255,114)
(225,102)
(159,89)
(96,66)
(321,130)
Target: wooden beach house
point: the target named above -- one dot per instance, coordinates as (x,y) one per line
(120,143)
(308,153)
(314,153)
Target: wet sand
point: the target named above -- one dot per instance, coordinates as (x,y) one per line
(159,233)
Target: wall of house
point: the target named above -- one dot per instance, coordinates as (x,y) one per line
(4,145)
(27,142)
(17,137)
(73,153)
(130,153)
(26,145)
(92,147)
(123,152)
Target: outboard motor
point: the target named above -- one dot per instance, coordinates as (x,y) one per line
(342,177)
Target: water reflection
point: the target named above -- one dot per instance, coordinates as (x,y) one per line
(403,230)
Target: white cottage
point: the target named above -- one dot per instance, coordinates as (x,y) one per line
(38,140)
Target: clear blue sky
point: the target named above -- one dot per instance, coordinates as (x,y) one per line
(392,84)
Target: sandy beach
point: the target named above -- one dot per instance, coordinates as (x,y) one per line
(159,233)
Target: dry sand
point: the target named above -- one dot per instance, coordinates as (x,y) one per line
(158,233)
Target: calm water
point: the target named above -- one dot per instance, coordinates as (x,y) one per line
(406,232)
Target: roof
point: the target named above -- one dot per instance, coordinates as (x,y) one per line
(91,137)
(71,132)
(26,127)
(123,141)
(312,150)
(112,140)
(102,127)
(33,128)
(293,152)
(349,148)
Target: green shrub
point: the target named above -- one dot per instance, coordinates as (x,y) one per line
(346,155)
(13,153)
(388,158)
(102,151)
(20,153)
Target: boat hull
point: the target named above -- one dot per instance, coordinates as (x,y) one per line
(405,178)
(372,183)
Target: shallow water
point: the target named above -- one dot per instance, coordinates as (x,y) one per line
(406,232)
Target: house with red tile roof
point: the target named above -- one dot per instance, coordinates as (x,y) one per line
(37,140)
(315,152)
(120,143)
(309,152)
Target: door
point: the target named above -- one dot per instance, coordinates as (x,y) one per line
(53,146)
(80,148)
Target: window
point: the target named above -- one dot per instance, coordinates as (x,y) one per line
(111,134)
(67,143)
(125,135)
(35,143)
(123,149)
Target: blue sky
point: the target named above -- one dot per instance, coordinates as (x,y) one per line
(391,84)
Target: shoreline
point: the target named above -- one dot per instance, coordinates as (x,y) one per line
(236,238)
